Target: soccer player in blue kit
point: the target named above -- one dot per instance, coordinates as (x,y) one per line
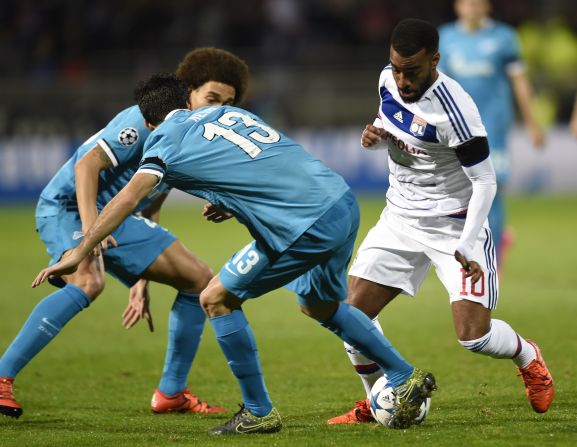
(483,56)
(303,217)
(139,251)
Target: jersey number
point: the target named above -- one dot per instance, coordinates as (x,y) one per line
(263,133)
(474,291)
(246,259)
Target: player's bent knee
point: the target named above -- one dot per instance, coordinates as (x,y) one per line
(216,300)
(92,286)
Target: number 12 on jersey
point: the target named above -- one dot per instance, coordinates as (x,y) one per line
(262,133)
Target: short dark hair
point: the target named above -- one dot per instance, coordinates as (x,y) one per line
(160,94)
(213,64)
(412,35)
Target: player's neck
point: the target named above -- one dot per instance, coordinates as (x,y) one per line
(473,25)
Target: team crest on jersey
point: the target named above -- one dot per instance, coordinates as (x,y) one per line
(418,126)
(128,136)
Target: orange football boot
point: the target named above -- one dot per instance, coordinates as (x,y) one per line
(181,402)
(8,405)
(538,382)
(361,413)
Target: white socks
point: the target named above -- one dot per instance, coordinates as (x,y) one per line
(368,371)
(502,342)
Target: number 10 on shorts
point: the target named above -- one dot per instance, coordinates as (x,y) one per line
(478,285)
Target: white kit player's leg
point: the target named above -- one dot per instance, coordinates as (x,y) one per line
(369,372)
(501,341)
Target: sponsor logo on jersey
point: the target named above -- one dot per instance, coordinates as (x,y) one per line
(418,126)
(405,147)
(398,116)
(128,136)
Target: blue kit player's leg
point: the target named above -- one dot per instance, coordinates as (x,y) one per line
(52,313)
(147,250)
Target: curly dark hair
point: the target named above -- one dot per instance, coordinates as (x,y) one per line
(160,94)
(213,64)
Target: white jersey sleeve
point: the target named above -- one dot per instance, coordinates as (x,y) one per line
(462,120)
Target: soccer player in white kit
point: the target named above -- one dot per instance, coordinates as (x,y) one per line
(442,184)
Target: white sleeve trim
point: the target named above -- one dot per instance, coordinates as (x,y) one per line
(106,148)
(483,179)
(159,174)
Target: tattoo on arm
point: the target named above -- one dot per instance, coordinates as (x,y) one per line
(103,156)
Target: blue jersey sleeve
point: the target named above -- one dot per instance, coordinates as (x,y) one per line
(510,46)
(154,159)
(123,138)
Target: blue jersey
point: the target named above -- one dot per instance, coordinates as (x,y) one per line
(231,158)
(480,62)
(123,141)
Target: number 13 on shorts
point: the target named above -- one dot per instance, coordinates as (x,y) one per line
(245,260)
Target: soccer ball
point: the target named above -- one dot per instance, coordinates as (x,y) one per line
(383,401)
(423,411)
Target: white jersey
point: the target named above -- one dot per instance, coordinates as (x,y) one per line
(426,178)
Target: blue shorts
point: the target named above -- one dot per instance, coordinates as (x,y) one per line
(140,242)
(314,266)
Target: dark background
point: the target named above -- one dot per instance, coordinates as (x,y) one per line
(68,66)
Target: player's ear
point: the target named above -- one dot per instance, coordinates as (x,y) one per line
(149,126)
(435,60)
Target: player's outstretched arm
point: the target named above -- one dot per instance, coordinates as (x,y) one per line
(113,214)
(524,96)
(573,122)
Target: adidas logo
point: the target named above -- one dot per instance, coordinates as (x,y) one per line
(398,116)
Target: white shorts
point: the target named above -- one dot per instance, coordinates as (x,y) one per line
(398,252)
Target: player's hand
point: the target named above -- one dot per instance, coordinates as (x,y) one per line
(215,214)
(573,126)
(138,306)
(472,268)
(371,135)
(537,137)
(104,245)
(67,265)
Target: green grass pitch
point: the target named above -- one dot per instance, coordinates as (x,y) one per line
(92,385)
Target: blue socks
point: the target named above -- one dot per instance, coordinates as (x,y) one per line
(355,328)
(44,323)
(237,342)
(185,326)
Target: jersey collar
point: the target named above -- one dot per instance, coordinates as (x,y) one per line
(485,24)
(172,112)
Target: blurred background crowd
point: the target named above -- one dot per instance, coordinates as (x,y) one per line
(68,65)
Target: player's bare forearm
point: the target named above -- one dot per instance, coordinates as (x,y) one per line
(117,210)
(113,214)
(152,211)
(87,171)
